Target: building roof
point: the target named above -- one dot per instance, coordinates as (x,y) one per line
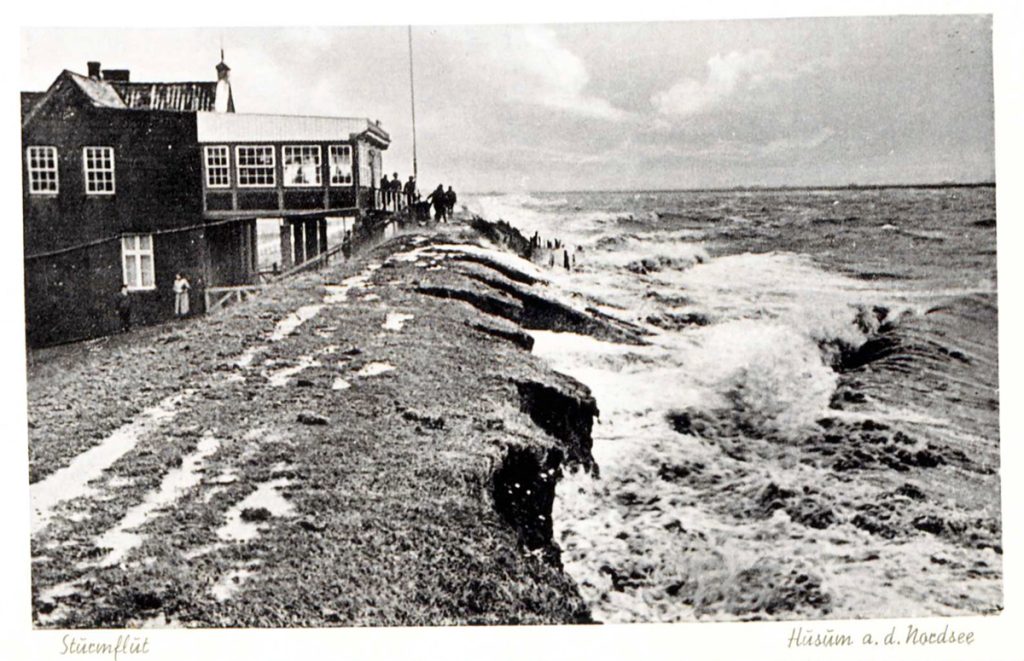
(99,92)
(167,96)
(238,127)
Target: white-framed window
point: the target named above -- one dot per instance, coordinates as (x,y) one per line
(341,165)
(98,163)
(256,166)
(137,261)
(42,170)
(301,165)
(218,171)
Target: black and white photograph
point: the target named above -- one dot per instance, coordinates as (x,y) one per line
(430,325)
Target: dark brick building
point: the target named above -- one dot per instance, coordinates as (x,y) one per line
(130,183)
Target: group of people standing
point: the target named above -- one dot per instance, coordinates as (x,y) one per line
(394,196)
(443,202)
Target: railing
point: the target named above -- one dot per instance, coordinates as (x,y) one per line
(314,262)
(394,202)
(218,297)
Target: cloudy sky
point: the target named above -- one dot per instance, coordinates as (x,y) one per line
(608,106)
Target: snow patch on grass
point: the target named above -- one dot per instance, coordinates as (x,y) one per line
(266,496)
(375,368)
(119,539)
(396,320)
(72,481)
(291,323)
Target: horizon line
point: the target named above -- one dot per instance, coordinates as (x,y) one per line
(747,188)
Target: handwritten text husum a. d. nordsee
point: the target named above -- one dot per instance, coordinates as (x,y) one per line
(914,636)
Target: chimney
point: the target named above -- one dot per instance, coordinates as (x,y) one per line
(94,70)
(223,70)
(117,75)
(222,101)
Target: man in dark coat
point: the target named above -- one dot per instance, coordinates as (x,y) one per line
(450,198)
(410,192)
(385,192)
(124,309)
(437,199)
(396,191)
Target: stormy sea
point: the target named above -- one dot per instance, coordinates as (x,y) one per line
(813,428)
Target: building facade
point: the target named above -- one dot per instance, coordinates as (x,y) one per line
(132,183)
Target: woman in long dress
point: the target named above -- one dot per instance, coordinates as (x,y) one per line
(181,288)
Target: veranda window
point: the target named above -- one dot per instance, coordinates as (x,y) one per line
(218,174)
(301,165)
(341,165)
(256,166)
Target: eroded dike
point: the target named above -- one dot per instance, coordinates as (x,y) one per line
(371,444)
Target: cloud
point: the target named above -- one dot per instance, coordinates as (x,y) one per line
(726,75)
(530,66)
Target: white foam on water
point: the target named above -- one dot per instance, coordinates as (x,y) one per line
(291,323)
(395,321)
(375,368)
(119,539)
(340,384)
(369,298)
(72,481)
(266,496)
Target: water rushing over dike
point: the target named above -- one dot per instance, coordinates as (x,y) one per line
(811,429)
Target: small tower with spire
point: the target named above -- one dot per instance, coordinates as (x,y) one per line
(223,101)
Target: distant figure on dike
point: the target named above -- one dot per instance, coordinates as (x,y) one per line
(181,287)
(437,199)
(450,198)
(396,191)
(410,192)
(565,259)
(385,192)
(124,309)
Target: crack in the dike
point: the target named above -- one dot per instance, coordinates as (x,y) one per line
(532,311)
(524,483)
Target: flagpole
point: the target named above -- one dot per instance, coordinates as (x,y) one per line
(412,97)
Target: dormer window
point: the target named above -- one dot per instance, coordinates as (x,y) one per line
(98,163)
(42,170)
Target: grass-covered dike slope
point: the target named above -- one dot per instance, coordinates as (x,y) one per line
(390,460)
